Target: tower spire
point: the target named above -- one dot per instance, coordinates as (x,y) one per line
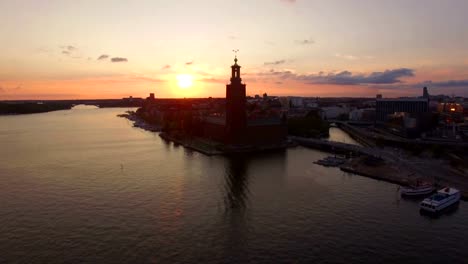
(235,55)
(235,77)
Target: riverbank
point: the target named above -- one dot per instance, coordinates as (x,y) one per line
(8,108)
(211,148)
(139,122)
(202,145)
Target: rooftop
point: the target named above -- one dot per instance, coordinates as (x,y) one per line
(402,100)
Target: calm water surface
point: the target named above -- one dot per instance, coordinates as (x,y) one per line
(339,135)
(84,186)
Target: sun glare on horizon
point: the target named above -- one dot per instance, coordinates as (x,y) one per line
(184,81)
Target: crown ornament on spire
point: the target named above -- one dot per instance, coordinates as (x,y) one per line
(235,55)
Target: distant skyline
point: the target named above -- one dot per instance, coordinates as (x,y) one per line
(113,49)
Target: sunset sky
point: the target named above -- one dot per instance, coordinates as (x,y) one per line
(112,49)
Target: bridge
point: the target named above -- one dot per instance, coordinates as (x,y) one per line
(336,147)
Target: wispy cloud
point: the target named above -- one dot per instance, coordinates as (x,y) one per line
(289,1)
(4,89)
(68,47)
(352,57)
(346,57)
(145,78)
(103,57)
(446,84)
(213,80)
(70,51)
(278,62)
(119,59)
(305,42)
(166,67)
(44,50)
(189,63)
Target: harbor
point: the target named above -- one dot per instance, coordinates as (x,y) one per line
(391,165)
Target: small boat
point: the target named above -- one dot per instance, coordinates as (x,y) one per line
(441,200)
(331,161)
(420,188)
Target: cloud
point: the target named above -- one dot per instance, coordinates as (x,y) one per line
(289,1)
(4,89)
(352,57)
(70,51)
(233,37)
(189,63)
(144,78)
(448,84)
(166,67)
(103,57)
(346,57)
(305,42)
(346,77)
(68,47)
(119,59)
(213,80)
(44,50)
(278,62)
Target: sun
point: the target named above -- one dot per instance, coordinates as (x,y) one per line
(184,80)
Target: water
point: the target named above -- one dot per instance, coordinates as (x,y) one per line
(84,186)
(336,134)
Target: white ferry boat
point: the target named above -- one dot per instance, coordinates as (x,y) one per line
(442,199)
(416,190)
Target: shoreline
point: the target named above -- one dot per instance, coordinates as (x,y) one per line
(202,145)
(212,148)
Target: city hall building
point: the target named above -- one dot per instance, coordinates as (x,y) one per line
(235,128)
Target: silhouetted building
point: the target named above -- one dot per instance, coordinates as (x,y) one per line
(235,127)
(236,113)
(387,107)
(411,125)
(425,93)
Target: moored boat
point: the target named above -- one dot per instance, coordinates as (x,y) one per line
(441,200)
(416,190)
(331,161)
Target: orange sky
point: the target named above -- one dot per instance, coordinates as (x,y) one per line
(88,49)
